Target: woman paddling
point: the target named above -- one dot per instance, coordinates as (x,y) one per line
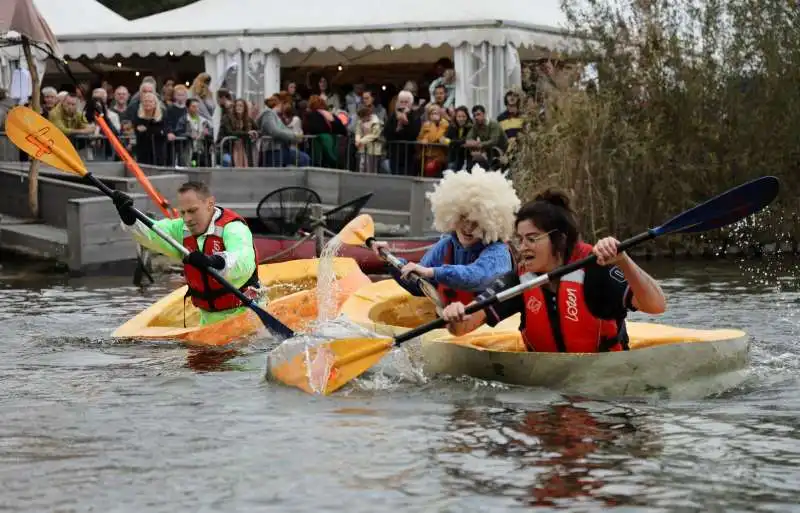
(582,313)
(476,211)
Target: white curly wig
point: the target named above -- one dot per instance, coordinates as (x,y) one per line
(484,197)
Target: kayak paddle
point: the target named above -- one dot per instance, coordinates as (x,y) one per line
(42,140)
(134,168)
(361,231)
(346,359)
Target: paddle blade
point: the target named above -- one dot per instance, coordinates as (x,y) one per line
(729,207)
(326,368)
(357,231)
(271,323)
(42,140)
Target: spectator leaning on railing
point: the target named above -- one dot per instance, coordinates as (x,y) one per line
(236,123)
(198,129)
(120,102)
(432,137)
(486,141)
(148,85)
(224,105)
(98,105)
(150,131)
(49,100)
(69,120)
(325,127)
(455,137)
(400,132)
(277,150)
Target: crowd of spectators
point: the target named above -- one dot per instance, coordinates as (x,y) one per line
(411,133)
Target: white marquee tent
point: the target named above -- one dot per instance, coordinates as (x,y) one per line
(76,18)
(79,17)
(485,36)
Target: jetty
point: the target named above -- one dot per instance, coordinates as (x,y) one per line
(79,228)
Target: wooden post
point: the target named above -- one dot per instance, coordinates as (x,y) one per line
(319,231)
(33,173)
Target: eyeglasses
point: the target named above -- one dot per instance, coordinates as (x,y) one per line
(530,239)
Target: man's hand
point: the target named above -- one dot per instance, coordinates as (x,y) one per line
(124,204)
(203,261)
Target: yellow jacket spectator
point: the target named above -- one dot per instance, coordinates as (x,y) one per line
(68,119)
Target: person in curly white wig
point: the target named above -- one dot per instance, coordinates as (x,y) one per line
(476,212)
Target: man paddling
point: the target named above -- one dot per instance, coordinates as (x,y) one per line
(216,237)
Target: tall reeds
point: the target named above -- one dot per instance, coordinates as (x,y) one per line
(693,97)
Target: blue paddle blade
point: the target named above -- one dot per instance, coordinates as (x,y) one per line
(727,208)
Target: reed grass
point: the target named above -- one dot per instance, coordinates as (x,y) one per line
(694,97)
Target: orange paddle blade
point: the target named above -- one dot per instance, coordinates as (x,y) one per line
(357,231)
(327,368)
(42,140)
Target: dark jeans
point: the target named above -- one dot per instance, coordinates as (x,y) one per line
(285,157)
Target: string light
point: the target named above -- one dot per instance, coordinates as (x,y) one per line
(171,53)
(340,67)
(137,73)
(383,87)
(187,83)
(119,64)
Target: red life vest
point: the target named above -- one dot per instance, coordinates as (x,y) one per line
(577,330)
(449,295)
(206,292)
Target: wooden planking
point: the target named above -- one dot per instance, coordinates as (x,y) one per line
(53,196)
(389,191)
(326,183)
(94,232)
(253,185)
(196,174)
(36,239)
(106,168)
(112,251)
(422,216)
(334,186)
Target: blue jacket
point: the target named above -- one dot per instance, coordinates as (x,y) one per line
(472,270)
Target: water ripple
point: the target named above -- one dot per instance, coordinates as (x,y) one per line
(92,424)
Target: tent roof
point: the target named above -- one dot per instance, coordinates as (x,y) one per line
(79,17)
(231,25)
(22,18)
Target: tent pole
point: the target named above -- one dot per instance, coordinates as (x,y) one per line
(33,173)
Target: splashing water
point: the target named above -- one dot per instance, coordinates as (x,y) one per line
(318,361)
(775,273)
(327,288)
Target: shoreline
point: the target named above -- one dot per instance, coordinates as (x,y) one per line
(20,263)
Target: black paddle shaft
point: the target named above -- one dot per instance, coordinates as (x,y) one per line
(273,324)
(397,264)
(522,287)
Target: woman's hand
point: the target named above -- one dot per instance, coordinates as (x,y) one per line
(425,272)
(454,312)
(606,251)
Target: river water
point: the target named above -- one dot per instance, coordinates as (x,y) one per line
(90,424)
